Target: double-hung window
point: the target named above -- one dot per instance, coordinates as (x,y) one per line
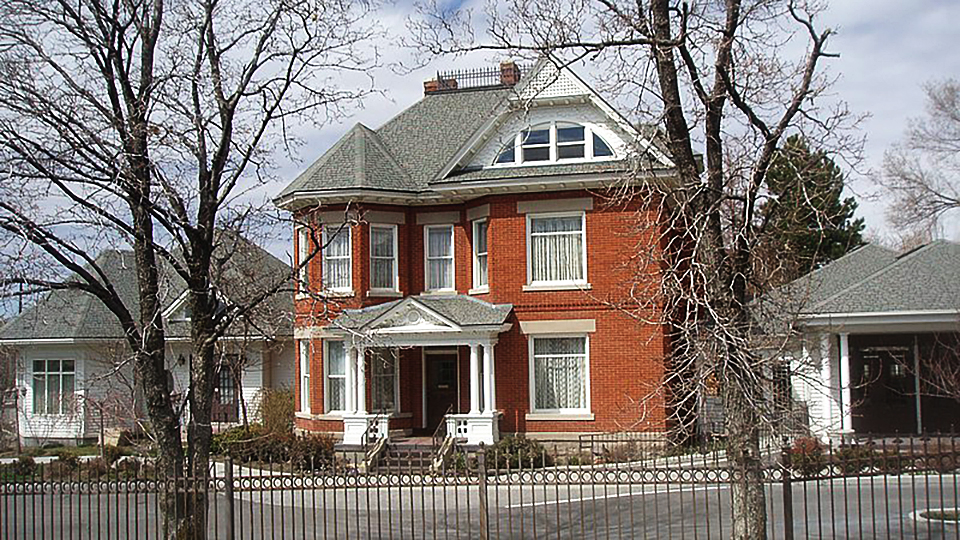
(303,252)
(53,386)
(481,278)
(439,257)
(304,376)
(556,245)
(383,380)
(335,362)
(560,374)
(336,259)
(535,144)
(383,258)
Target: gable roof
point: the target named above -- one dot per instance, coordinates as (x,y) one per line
(73,314)
(925,279)
(459,309)
(423,147)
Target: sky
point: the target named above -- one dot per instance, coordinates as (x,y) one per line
(888,49)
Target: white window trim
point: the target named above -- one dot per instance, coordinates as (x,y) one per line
(303,251)
(584,413)
(62,413)
(479,288)
(426,258)
(396,385)
(305,375)
(388,291)
(571,284)
(326,376)
(347,230)
(588,133)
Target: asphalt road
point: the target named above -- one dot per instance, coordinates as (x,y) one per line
(872,507)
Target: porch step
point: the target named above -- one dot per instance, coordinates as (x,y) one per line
(403,458)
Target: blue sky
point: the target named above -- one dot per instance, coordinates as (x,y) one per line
(888,49)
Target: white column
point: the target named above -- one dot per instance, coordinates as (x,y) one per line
(361,381)
(474,379)
(352,381)
(846,416)
(826,386)
(493,378)
(488,384)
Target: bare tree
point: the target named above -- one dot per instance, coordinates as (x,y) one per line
(734,79)
(147,125)
(922,173)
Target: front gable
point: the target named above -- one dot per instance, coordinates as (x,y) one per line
(410,316)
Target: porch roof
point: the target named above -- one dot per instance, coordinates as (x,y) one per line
(457,309)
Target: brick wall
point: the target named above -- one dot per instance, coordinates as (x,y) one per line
(626,356)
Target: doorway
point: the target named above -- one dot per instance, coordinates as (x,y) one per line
(441,386)
(884,395)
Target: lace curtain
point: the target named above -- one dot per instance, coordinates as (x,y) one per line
(336,258)
(336,361)
(560,373)
(480,250)
(557,249)
(440,258)
(382,258)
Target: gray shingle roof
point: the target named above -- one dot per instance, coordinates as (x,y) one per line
(407,152)
(72,314)
(496,173)
(926,279)
(461,309)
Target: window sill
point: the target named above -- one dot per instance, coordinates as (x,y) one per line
(383,293)
(536,287)
(310,416)
(534,417)
(337,294)
(479,290)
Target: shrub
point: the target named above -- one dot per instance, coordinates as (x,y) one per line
(806,457)
(516,452)
(93,468)
(235,439)
(21,469)
(277,410)
(312,453)
(854,458)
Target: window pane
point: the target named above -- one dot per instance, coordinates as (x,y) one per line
(336,358)
(381,242)
(536,136)
(480,236)
(39,393)
(569,134)
(53,365)
(507,155)
(440,274)
(338,242)
(53,394)
(67,392)
(305,358)
(557,224)
(570,151)
(540,153)
(68,366)
(381,274)
(482,278)
(554,346)
(440,241)
(337,394)
(383,371)
(39,366)
(600,148)
(559,371)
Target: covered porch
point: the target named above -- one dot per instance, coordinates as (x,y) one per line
(440,330)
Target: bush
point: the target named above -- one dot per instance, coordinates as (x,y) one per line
(234,440)
(806,457)
(277,410)
(312,453)
(93,468)
(516,452)
(255,443)
(21,469)
(854,458)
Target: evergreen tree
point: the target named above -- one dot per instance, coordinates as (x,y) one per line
(807,223)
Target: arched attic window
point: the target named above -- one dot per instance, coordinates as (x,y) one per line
(553,142)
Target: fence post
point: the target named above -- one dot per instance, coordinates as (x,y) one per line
(787,476)
(482,474)
(228,493)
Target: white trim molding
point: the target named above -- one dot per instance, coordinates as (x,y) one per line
(438,218)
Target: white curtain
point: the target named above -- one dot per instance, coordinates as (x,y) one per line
(336,376)
(560,373)
(336,258)
(440,258)
(383,380)
(382,259)
(557,249)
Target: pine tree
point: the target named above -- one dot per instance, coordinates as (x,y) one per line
(807,223)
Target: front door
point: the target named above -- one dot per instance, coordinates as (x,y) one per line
(441,386)
(884,393)
(225,403)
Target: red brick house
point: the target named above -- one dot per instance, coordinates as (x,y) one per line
(471,262)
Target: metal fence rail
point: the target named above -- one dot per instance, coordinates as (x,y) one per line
(883,488)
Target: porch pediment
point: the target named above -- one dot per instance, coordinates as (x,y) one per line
(410,316)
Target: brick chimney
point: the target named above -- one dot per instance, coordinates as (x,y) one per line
(437,84)
(509,73)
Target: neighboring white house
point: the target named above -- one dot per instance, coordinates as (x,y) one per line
(74,373)
(871,331)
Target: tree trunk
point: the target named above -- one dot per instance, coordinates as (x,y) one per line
(748,501)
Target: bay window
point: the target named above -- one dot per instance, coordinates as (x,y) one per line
(54,384)
(556,249)
(336,259)
(335,365)
(480,259)
(383,258)
(438,240)
(560,374)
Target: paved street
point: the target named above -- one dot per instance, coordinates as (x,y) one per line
(877,507)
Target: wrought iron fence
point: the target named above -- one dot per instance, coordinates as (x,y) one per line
(877,488)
